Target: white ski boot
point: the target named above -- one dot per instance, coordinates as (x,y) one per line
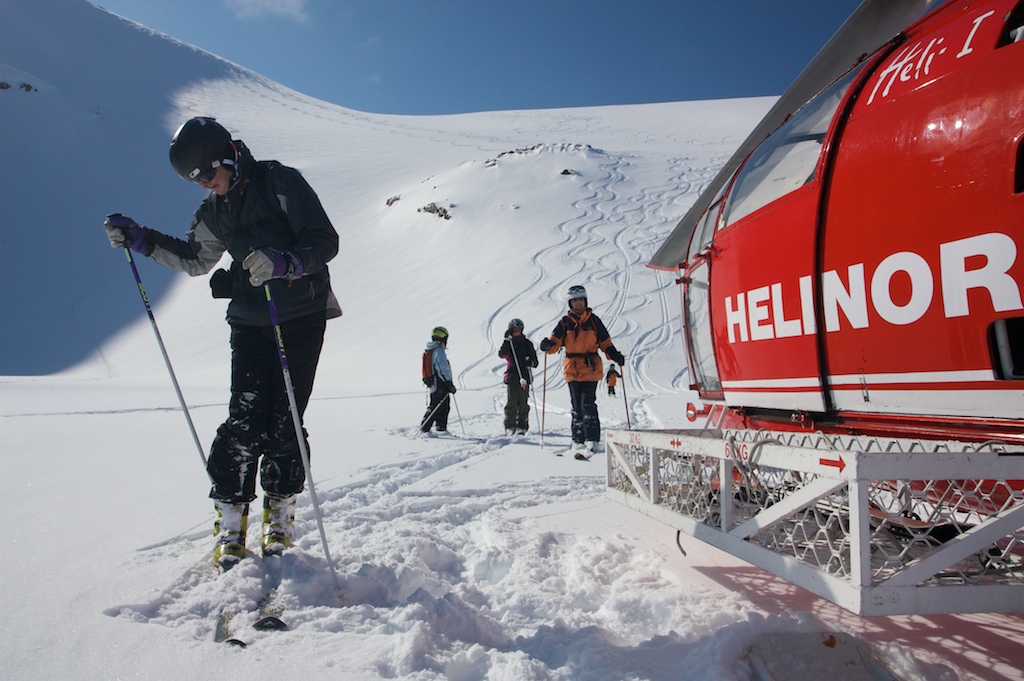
(229,534)
(278,521)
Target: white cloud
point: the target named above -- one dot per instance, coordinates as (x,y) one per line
(252,9)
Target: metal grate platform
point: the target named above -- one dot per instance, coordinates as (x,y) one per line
(877,526)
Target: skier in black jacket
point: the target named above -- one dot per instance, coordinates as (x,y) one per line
(521,356)
(271,222)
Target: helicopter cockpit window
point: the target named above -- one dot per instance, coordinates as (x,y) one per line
(786,160)
(705,230)
(1014,32)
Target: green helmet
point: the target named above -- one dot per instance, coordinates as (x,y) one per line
(439,334)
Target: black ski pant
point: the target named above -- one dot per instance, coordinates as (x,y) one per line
(586,425)
(517,408)
(437,411)
(259,433)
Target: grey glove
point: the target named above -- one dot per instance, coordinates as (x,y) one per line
(264,264)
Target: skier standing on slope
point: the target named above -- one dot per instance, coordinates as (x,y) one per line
(521,356)
(268,218)
(582,333)
(437,376)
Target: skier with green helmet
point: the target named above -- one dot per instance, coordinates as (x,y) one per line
(437,376)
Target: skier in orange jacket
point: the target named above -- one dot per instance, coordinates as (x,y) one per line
(582,333)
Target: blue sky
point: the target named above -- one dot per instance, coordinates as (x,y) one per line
(456,56)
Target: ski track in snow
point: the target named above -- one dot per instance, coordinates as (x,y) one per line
(609,242)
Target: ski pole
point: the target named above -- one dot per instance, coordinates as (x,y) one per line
(299,433)
(461,425)
(625,403)
(512,347)
(533,396)
(544,400)
(167,360)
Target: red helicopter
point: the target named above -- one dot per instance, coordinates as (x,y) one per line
(854,322)
(857,266)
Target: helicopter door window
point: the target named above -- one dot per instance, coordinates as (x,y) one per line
(1006,338)
(788,159)
(704,368)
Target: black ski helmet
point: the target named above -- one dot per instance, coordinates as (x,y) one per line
(516,324)
(199,147)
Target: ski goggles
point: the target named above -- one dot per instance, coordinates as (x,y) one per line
(206,177)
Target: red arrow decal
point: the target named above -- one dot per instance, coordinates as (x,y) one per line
(837,463)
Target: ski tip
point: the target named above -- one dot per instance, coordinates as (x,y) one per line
(270,623)
(236,642)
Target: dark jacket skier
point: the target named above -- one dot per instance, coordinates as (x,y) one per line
(521,356)
(271,222)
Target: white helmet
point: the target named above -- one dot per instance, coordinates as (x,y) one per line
(576,292)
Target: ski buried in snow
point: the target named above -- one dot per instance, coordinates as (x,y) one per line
(270,623)
(268,610)
(222,631)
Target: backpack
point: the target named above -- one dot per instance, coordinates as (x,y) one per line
(428,367)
